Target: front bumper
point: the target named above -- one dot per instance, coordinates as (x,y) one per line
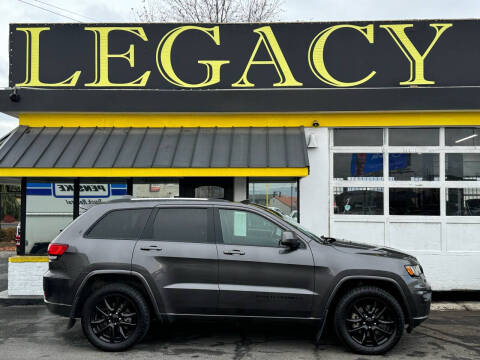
(420,299)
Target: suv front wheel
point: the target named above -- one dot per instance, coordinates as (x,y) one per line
(369,320)
(115,317)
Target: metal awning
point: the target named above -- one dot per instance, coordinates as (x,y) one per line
(147,152)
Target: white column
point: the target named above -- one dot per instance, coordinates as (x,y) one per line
(239,189)
(314,189)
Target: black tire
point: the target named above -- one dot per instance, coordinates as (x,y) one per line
(115,317)
(369,320)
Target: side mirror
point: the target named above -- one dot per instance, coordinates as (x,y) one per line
(289,240)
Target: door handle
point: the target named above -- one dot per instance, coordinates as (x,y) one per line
(151,248)
(234,252)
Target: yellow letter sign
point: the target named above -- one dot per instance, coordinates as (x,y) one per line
(164,61)
(316,58)
(267,38)
(32,72)
(417,75)
(102,56)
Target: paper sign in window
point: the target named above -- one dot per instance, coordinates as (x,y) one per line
(239,223)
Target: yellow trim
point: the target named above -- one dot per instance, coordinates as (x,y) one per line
(152,172)
(24,259)
(254,120)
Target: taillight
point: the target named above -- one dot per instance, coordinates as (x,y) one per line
(57,249)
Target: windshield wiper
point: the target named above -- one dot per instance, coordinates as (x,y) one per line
(327,240)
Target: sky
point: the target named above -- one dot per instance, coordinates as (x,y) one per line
(18,11)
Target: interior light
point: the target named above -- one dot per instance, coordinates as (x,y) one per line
(466,138)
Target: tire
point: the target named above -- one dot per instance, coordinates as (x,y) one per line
(369,320)
(115,317)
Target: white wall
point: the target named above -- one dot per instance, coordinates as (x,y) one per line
(314,191)
(239,189)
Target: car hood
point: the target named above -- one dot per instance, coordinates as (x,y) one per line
(352,247)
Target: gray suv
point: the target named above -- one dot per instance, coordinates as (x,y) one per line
(124,263)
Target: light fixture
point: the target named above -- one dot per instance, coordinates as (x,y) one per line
(466,138)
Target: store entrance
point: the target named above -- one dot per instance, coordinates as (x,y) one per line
(212,188)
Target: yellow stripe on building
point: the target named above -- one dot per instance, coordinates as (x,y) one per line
(153,172)
(254,120)
(24,259)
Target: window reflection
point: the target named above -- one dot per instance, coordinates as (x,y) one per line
(358,201)
(158,190)
(463,202)
(413,167)
(413,137)
(358,166)
(279,196)
(49,211)
(462,167)
(413,201)
(358,137)
(462,136)
(92,194)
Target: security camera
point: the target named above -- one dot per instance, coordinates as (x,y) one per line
(315,123)
(14,96)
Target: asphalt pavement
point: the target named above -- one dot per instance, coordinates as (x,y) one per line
(31,332)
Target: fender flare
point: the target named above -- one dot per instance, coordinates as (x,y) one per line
(93,273)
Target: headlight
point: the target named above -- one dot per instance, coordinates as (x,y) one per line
(414,270)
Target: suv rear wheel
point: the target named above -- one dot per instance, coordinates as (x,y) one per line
(369,320)
(115,317)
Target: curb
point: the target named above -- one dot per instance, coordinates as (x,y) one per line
(19,299)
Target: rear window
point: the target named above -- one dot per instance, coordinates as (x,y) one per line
(120,224)
(180,225)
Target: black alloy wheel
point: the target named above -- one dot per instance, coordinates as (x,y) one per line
(115,317)
(369,320)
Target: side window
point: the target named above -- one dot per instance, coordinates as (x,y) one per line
(246,228)
(120,224)
(180,224)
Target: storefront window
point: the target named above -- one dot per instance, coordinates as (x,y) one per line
(49,211)
(413,137)
(462,167)
(413,167)
(9,212)
(158,190)
(358,201)
(462,136)
(279,196)
(358,137)
(463,202)
(414,201)
(96,193)
(362,167)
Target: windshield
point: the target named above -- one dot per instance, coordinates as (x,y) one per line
(292,222)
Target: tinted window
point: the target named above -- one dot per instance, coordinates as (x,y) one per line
(462,167)
(463,202)
(462,136)
(180,224)
(413,167)
(358,201)
(406,201)
(358,137)
(358,166)
(120,224)
(246,228)
(413,137)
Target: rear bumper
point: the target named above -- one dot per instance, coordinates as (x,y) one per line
(59,309)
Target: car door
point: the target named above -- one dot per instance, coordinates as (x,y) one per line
(177,252)
(257,277)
